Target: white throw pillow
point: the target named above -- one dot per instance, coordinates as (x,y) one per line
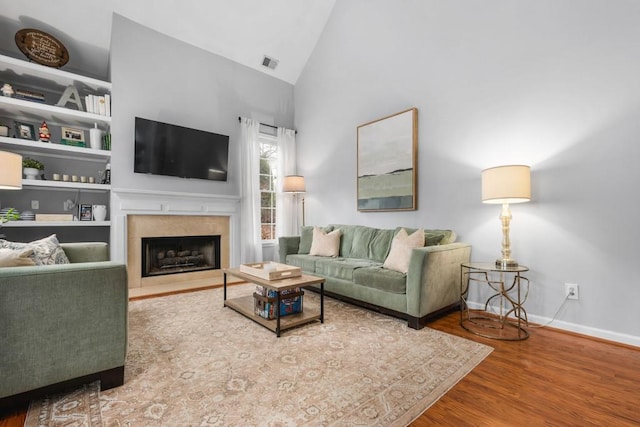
(15,258)
(401,247)
(325,244)
(46,251)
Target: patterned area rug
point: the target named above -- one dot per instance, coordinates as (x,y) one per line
(80,407)
(193,362)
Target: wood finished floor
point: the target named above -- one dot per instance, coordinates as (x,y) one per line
(553,378)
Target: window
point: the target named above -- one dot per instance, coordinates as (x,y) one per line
(268,180)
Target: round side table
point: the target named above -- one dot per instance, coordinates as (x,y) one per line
(508,294)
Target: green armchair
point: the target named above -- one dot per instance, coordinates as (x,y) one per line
(62,325)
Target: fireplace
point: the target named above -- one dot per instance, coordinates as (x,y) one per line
(139,227)
(179,254)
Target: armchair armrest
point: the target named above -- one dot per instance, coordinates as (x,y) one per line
(59,322)
(433,278)
(86,251)
(287,245)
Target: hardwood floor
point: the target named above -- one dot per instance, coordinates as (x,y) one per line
(553,378)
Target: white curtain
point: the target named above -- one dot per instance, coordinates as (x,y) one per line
(250,210)
(287,207)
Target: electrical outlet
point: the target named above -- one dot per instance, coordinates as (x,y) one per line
(35,204)
(571,291)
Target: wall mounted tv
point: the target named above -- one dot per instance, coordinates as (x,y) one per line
(172,150)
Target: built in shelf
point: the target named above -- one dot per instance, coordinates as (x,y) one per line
(31,111)
(65,185)
(53,75)
(26,224)
(53,150)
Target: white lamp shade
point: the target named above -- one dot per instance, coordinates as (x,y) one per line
(293,184)
(506,184)
(10,171)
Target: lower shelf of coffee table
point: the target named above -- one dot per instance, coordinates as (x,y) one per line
(244,305)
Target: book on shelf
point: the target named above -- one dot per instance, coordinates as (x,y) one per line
(98,104)
(28,95)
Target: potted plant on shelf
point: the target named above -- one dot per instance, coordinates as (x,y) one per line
(31,168)
(10,215)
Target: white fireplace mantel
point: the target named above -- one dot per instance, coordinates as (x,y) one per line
(126,202)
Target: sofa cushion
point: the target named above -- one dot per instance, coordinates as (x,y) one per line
(305,261)
(380,245)
(306,237)
(346,240)
(401,247)
(382,279)
(16,257)
(434,237)
(341,268)
(325,244)
(46,251)
(362,237)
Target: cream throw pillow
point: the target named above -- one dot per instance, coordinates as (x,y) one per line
(401,247)
(46,251)
(16,258)
(325,244)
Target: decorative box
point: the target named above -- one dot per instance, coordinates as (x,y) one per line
(271,270)
(264,305)
(54,217)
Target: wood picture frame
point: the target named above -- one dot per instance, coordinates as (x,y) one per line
(24,131)
(387,167)
(73,137)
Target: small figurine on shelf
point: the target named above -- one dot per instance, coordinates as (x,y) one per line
(43,132)
(7,90)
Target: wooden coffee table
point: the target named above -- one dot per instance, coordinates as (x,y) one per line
(245,304)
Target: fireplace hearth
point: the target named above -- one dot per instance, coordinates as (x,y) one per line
(179,254)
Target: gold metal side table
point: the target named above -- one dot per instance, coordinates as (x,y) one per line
(507,283)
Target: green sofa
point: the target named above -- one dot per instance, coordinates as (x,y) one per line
(62,325)
(430,287)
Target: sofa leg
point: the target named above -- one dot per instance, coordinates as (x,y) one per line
(416,322)
(112,378)
(421,322)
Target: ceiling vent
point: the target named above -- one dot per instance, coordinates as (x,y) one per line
(269,62)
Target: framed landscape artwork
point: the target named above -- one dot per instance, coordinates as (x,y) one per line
(387,164)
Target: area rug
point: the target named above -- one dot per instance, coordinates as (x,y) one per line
(193,362)
(80,407)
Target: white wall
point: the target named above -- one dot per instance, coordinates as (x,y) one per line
(549,83)
(160,78)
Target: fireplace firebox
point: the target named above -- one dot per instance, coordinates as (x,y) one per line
(181,254)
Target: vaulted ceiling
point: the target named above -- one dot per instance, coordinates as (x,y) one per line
(241,30)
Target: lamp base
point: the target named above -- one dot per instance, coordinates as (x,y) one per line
(506,263)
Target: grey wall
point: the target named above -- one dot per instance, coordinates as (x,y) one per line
(551,83)
(161,78)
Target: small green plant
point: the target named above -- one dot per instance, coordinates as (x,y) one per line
(11,215)
(28,162)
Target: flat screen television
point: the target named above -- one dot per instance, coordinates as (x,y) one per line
(172,150)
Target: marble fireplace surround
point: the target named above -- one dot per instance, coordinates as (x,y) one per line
(137,214)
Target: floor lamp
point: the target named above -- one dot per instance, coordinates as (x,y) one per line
(504,185)
(295,184)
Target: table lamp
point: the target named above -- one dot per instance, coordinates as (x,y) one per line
(10,171)
(295,184)
(505,185)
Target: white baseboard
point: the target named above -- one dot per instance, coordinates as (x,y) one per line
(580,329)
